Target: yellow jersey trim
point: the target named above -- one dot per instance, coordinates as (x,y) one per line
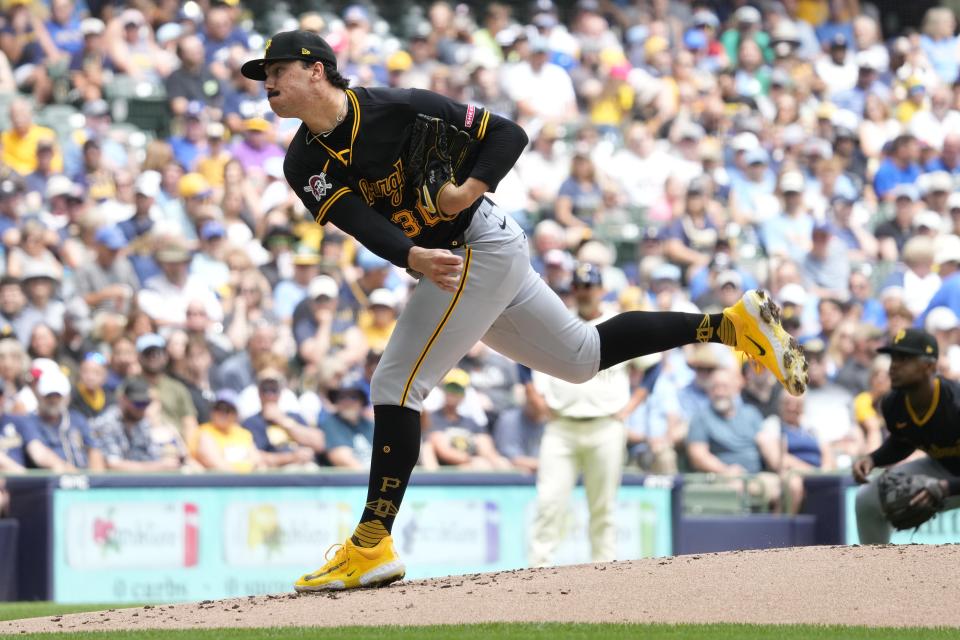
(930,410)
(356,121)
(322,212)
(436,332)
(482,130)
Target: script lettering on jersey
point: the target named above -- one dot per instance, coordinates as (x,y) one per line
(936,451)
(390,186)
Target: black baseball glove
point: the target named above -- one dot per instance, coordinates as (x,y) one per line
(436,151)
(897,490)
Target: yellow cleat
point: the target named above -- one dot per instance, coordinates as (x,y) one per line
(353,567)
(756,319)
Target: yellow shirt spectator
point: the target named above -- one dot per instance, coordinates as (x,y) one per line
(20,151)
(863,408)
(222,444)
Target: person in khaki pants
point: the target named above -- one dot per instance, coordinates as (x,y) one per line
(585,435)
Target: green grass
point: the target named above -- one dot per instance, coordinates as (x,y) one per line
(527,631)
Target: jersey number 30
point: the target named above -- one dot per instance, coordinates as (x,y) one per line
(406,220)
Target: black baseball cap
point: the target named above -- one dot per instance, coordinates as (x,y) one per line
(290,45)
(137,390)
(912,342)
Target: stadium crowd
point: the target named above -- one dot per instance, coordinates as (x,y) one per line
(166,305)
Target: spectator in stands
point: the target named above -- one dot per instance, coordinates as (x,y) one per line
(866,405)
(238,371)
(458,440)
(176,404)
(193,372)
(165,297)
(723,438)
(760,390)
(898,168)
(28,47)
(15,442)
(222,444)
(90,397)
(256,146)
(90,66)
(14,312)
(192,145)
(288,293)
(378,322)
(828,408)
(69,445)
(193,80)
(133,435)
(347,431)
(789,448)
(283,437)
(320,331)
(518,431)
(947,259)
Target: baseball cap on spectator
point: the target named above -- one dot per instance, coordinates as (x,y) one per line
(936,181)
(193,185)
(539,44)
(953,202)
(757,156)
(822,229)
(39,271)
(131,17)
(323,286)
(399,61)
(941,319)
(697,186)
(150,341)
(9,187)
(212,229)
(169,32)
(867,60)
(544,20)
(814,347)
(53,382)
(42,366)
(929,219)
(692,131)
(838,41)
(729,277)
(137,391)
(226,398)
(915,86)
(905,191)
(586,274)
(59,185)
(793,293)
(348,389)
(558,258)
(194,109)
(277,234)
(747,15)
(695,39)
(355,14)
(92,26)
(703,356)
(818,147)
(845,119)
(792,182)
(705,18)
(780,78)
(666,272)
(256,124)
(216,130)
(456,380)
(173,253)
(948,250)
(369,261)
(744,141)
(148,184)
(96,108)
(305,256)
(382,298)
(273,167)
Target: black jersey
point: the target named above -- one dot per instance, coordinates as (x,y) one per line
(936,432)
(358,169)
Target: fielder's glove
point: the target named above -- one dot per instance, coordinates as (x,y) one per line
(435,152)
(897,489)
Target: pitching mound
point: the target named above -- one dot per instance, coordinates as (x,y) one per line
(873,586)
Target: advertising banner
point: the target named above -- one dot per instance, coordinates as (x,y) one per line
(170,544)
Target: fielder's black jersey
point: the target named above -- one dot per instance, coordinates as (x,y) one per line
(357,171)
(936,432)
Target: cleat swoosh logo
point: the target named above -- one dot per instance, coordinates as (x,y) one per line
(350,573)
(762,351)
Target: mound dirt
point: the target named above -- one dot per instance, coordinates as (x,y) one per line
(872,586)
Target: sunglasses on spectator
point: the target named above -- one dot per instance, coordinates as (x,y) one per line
(140,404)
(270,387)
